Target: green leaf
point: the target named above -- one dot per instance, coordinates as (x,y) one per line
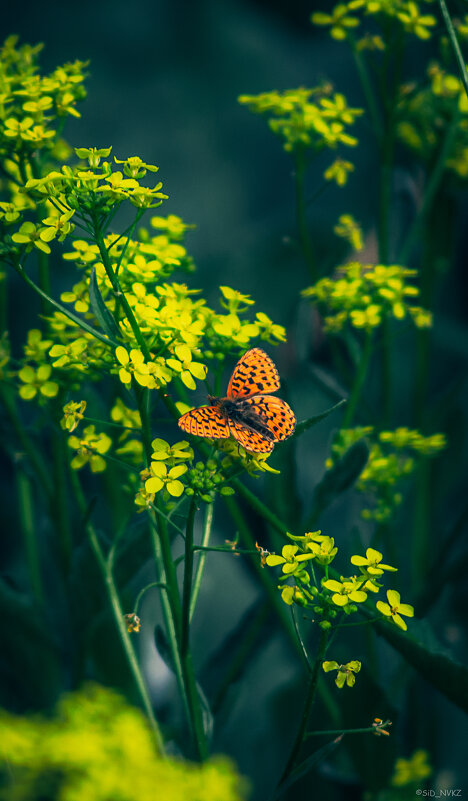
(434,663)
(100,309)
(207,715)
(340,477)
(312,421)
(308,764)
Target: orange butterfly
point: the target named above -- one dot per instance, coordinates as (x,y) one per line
(255,419)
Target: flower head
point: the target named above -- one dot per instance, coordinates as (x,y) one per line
(394,609)
(346,673)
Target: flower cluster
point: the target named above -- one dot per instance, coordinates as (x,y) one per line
(412,770)
(80,751)
(345,18)
(425,114)
(362,295)
(392,457)
(329,598)
(31,102)
(89,449)
(309,120)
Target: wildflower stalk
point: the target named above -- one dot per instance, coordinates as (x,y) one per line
(105,567)
(301,215)
(359,380)
(310,698)
(60,507)
(118,291)
(182,661)
(209,513)
(338,732)
(27,517)
(455,44)
(431,189)
(168,616)
(367,88)
(143,592)
(256,504)
(34,455)
(188,576)
(387,391)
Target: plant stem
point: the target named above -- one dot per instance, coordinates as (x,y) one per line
(367,88)
(301,732)
(209,513)
(143,592)
(359,380)
(27,517)
(119,293)
(455,44)
(188,575)
(106,571)
(432,187)
(368,730)
(301,215)
(40,468)
(263,510)
(61,510)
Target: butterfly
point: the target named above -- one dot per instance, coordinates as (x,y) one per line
(256,419)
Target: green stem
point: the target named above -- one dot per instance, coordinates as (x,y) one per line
(60,502)
(367,730)
(359,380)
(119,293)
(114,600)
(184,659)
(27,518)
(311,692)
(301,215)
(259,507)
(367,88)
(188,576)
(432,187)
(168,615)
(40,468)
(455,45)
(269,587)
(387,385)
(203,547)
(144,590)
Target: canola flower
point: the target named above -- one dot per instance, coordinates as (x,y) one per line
(99,747)
(363,295)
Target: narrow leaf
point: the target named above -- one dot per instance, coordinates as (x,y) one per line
(312,421)
(421,649)
(340,477)
(308,764)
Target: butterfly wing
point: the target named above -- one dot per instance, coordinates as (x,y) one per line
(254,372)
(251,440)
(206,421)
(273,412)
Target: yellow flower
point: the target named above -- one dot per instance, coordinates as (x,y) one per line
(346,673)
(394,609)
(345,591)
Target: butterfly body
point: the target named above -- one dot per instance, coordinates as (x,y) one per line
(239,411)
(257,420)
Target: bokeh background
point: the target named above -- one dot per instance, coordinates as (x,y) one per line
(164,81)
